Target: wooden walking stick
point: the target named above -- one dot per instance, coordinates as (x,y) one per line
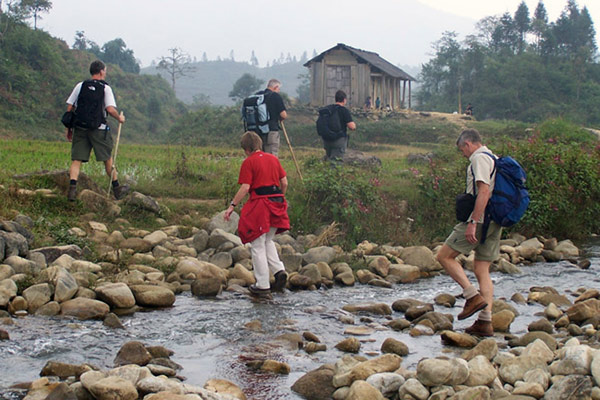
(292,151)
(114,161)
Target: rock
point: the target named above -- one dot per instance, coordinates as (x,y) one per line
(478,392)
(273,366)
(117,295)
(403,305)
(65,286)
(21,265)
(570,387)
(242,273)
(319,254)
(156,238)
(133,353)
(458,339)
(63,370)
(567,248)
(487,348)
(531,337)
(312,272)
(37,296)
(387,383)
(414,312)
(372,308)
(391,345)
(14,244)
(361,390)
(584,310)
(83,308)
(508,267)
(4,335)
(436,371)
(421,257)
(552,256)
(200,240)
(380,265)
(345,278)
(226,387)
(414,389)
(403,273)
(98,203)
(439,322)
(153,296)
(399,324)
(552,312)
(49,309)
(514,369)
(312,347)
(541,325)
(359,331)
(112,388)
(112,321)
(481,372)
(445,299)
(297,281)
(206,287)
(8,290)
(53,252)
(501,320)
(139,200)
(349,345)
(218,222)
(6,271)
(219,236)
(138,245)
(532,389)
(316,384)
(539,377)
(573,360)
(384,363)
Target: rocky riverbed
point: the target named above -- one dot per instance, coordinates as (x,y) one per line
(365,332)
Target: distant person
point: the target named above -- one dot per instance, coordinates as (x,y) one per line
(377,103)
(277,112)
(335,149)
(388,108)
(468,236)
(368,103)
(91,101)
(469,109)
(263,215)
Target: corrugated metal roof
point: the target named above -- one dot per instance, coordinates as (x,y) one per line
(368,57)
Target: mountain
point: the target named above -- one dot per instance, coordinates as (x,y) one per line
(216,78)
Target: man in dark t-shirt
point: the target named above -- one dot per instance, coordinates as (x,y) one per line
(277,113)
(335,149)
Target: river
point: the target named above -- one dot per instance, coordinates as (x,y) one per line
(210,341)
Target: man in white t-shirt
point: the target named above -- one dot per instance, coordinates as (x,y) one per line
(90,130)
(468,236)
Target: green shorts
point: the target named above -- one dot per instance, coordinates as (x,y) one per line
(488,251)
(85,140)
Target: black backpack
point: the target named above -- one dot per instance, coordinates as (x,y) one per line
(255,113)
(89,113)
(329,124)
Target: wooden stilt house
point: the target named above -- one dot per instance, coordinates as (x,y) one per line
(360,74)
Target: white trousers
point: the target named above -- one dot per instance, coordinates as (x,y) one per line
(265,258)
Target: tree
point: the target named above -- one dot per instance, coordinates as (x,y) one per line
(176,64)
(245,86)
(116,52)
(505,38)
(303,90)
(204,57)
(522,24)
(253,60)
(539,25)
(35,7)
(231,57)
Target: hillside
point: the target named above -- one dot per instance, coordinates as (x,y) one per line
(216,78)
(38,72)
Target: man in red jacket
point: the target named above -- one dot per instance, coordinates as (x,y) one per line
(264,214)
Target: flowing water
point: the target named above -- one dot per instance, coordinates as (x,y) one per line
(210,341)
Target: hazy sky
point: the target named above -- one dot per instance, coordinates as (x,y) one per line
(399,30)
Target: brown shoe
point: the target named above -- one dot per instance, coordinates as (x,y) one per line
(260,293)
(72,195)
(481,328)
(472,305)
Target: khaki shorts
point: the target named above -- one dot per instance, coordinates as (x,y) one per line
(489,251)
(86,140)
(271,144)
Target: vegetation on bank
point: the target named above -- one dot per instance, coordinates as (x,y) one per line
(399,202)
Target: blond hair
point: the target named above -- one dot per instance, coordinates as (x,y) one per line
(251,141)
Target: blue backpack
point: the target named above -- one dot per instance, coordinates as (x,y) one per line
(510,197)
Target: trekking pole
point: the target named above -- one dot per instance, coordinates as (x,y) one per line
(114,162)
(292,151)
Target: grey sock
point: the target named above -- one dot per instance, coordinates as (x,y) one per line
(485,316)
(469,292)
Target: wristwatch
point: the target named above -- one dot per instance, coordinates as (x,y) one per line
(471,221)
(232,204)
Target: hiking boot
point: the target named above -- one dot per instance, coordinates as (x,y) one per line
(280,281)
(72,195)
(481,328)
(260,293)
(472,305)
(120,191)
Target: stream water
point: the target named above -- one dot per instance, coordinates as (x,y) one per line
(210,341)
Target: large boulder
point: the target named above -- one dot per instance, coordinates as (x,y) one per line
(155,238)
(133,352)
(53,252)
(192,269)
(117,295)
(317,254)
(37,296)
(421,257)
(8,290)
(362,390)
(404,273)
(65,286)
(219,236)
(139,200)
(218,222)
(153,296)
(22,265)
(138,245)
(99,203)
(112,388)
(435,371)
(14,244)
(316,384)
(84,308)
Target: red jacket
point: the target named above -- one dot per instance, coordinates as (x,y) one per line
(259,214)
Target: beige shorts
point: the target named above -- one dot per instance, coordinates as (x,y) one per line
(488,251)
